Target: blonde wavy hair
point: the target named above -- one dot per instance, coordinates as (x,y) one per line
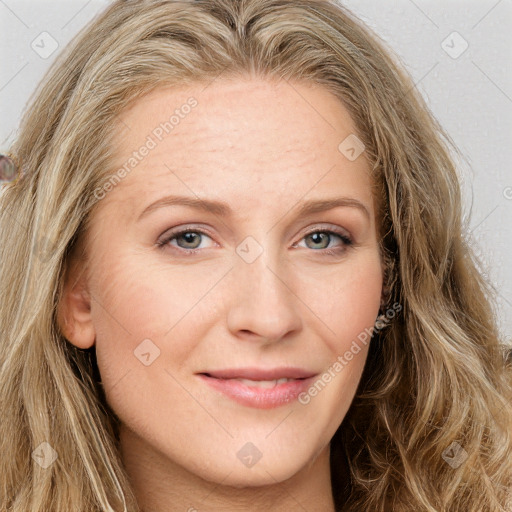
(435,376)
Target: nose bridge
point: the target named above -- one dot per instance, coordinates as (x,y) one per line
(262,301)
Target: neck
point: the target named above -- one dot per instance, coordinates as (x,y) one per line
(160,485)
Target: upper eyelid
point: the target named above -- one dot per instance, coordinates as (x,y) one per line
(325,227)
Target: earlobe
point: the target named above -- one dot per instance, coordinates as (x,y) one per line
(74,313)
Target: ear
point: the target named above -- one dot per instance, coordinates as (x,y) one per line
(74,308)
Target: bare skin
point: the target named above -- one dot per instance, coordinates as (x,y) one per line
(264,148)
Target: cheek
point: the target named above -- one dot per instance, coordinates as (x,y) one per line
(133,302)
(361,301)
(346,302)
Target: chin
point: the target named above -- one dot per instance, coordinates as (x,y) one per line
(255,476)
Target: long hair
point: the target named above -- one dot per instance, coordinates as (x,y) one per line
(430,426)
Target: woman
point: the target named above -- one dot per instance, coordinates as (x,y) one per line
(172,336)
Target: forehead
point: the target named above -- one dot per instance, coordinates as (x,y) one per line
(237,134)
(236,108)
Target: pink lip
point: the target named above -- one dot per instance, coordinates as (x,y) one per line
(261,398)
(261,373)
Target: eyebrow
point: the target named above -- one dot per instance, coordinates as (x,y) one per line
(223,210)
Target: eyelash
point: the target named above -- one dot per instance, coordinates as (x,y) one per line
(347,241)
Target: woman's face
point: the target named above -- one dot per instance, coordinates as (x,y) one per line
(270,282)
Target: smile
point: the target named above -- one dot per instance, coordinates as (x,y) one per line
(260,394)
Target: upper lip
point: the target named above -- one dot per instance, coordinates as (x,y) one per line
(261,373)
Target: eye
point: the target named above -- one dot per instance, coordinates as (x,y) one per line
(187,239)
(323,238)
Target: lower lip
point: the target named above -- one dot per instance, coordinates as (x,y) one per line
(260,398)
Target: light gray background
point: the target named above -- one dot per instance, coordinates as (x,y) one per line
(470,92)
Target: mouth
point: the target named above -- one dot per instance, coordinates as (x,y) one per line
(262,389)
(261,374)
(263,384)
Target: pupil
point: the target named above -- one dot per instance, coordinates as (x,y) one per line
(189,237)
(317,237)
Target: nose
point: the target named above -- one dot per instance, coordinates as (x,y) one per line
(263,306)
